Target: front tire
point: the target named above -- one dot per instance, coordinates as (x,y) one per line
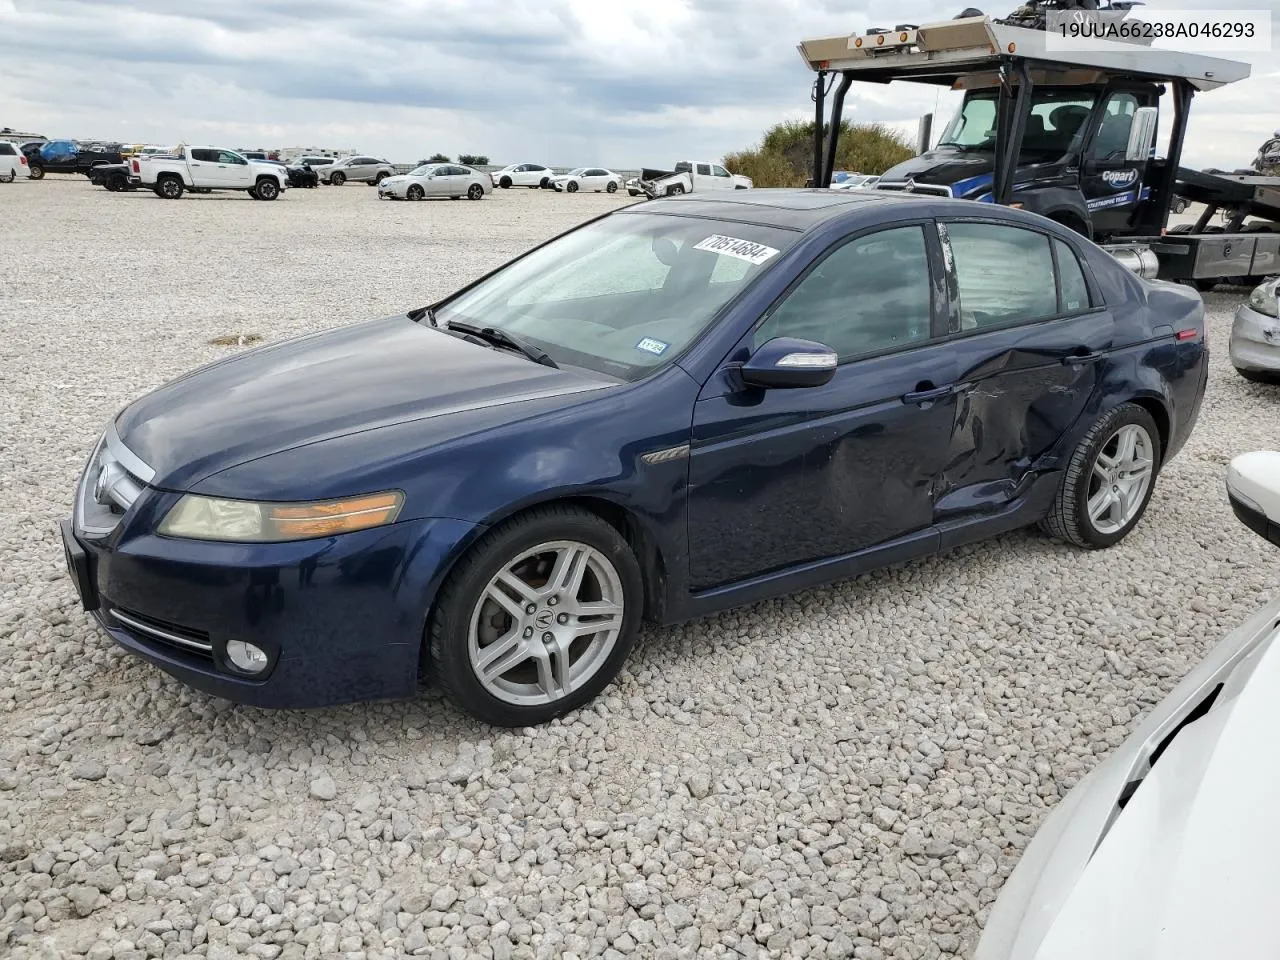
(1108,481)
(537,618)
(414,192)
(505,183)
(571,186)
(338,179)
(266,189)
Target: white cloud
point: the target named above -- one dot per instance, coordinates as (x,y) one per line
(560,81)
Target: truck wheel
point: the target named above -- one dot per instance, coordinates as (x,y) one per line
(267,189)
(117,182)
(169,188)
(338,178)
(676,190)
(36,172)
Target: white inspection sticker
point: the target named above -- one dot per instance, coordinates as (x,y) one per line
(756,253)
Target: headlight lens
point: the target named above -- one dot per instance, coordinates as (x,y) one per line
(1266,299)
(242,521)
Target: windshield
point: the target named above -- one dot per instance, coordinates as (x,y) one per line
(576,171)
(624,295)
(424,170)
(1054,127)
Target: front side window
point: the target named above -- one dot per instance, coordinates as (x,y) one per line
(718,171)
(1004,274)
(624,295)
(869,295)
(226,156)
(1112,139)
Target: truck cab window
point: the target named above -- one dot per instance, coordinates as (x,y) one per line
(704,169)
(718,171)
(1112,138)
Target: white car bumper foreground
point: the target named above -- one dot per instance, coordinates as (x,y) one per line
(1255,341)
(1159,851)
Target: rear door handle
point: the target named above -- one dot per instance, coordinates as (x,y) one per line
(929,394)
(1080,359)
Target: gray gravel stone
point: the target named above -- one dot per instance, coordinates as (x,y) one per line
(847,772)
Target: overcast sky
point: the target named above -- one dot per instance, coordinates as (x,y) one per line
(622,84)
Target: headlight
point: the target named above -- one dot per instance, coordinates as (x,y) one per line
(241,521)
(1266,299)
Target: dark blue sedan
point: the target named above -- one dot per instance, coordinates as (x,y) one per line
(675,408)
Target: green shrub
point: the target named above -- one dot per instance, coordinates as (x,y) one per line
(473,160)
(784,156)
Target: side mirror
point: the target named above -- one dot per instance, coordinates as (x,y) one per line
(1142,135)
(1253,487)
(786,362)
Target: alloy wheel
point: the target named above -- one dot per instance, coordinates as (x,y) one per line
(546,623)
(1122,474)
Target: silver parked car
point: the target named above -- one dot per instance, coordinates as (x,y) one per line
(438,180)
(1255,335)
(360,168)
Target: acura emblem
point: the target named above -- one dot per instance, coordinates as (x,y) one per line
(543,620)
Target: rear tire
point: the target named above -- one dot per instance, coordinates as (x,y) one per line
(169,188)
(466,620)
(1104,490)
(611,188)
(475,192)
(36,172)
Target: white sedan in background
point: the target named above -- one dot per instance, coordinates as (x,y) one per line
(533,175)
(587,178)
(436,180)
(1168,850)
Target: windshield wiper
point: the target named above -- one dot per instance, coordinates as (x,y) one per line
(501,338)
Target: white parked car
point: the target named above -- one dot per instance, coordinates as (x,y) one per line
(587,178)
(436,180)
(533,175)
(1255,335)
(1168,850)
(13,162)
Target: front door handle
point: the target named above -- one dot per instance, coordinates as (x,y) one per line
(927,393)
(1080,359)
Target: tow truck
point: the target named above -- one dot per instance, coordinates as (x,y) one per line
(1065,129)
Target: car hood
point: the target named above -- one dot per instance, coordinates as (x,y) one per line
(399,178)
(327,385)
(1186,869)
(1190,868)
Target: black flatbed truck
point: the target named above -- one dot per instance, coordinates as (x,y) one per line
(1122,197)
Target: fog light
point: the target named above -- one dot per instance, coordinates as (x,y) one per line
(246,656)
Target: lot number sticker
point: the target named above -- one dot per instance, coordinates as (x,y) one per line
(755,253)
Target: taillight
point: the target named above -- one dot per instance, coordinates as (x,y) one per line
(22,160)
(1186,335)
(136,168)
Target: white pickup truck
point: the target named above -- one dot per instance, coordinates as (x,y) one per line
(201,169)
(689,176)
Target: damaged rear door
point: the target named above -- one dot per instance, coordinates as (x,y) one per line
(1033,342)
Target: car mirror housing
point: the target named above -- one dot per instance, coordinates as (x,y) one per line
(1253,488)
(787,362)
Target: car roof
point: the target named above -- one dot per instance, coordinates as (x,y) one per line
(806,208)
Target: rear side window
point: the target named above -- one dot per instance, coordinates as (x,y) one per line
(1004,274)
(205,156)
(1073,291)
(6,149)
(704,169)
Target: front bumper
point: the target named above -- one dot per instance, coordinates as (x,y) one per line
(1053,863)
(340,619)
(1255,341)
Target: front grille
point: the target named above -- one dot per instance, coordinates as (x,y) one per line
(910,186)
(112,480)
(160,631)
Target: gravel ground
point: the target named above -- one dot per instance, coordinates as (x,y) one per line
(851,771)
